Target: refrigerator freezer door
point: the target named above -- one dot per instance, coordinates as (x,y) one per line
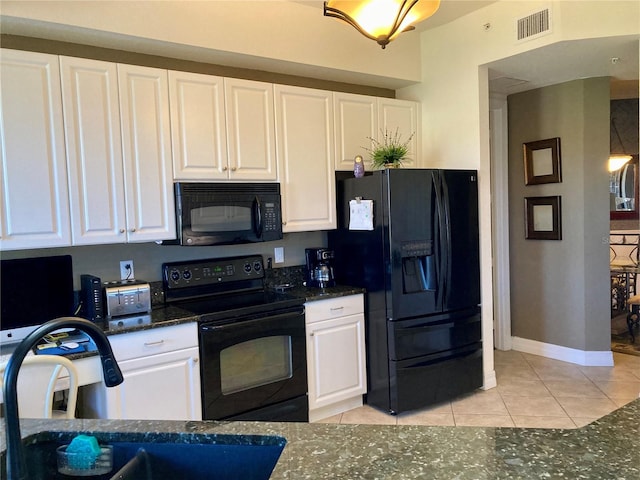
(434,334)
(424,381)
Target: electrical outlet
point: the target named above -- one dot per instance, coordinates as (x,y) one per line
(126,270)
(278,254)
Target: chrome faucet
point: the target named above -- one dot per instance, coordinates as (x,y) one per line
(16,463)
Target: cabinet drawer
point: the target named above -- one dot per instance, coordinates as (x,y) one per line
(334,307)
(154,341)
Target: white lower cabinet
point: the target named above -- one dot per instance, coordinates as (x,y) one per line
(336,364)
(161,372)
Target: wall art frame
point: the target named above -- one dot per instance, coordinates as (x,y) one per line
(543,218)
(542,162)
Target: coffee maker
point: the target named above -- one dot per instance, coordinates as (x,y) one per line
(320,267)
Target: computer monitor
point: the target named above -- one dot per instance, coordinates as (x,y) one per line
(33,291)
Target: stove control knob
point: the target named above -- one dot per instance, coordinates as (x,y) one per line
(175,275)
(186,274)
(247,268)
(257,266)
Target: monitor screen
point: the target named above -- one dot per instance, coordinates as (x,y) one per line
(33,291)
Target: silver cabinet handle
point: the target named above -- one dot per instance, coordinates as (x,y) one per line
(122,230)
(336,309)
(153,344)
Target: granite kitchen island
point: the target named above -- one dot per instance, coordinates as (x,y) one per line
(606,449)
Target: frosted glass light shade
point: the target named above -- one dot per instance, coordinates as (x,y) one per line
(381,20)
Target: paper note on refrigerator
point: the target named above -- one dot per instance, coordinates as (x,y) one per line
(361,215)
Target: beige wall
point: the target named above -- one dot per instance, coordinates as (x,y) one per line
(560,289)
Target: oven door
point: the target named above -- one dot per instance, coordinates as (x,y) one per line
(255,364)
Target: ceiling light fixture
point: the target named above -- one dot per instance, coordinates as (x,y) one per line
(381,20)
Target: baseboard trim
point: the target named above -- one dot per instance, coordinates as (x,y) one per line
(566,354)
(490,380)
(335,408)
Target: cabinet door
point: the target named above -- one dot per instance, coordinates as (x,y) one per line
(198,126)
(402,115)
(356,122)
(34,202)
(94,150)
(146,147)
(305,146)
(157,387)
(336,360)
(250,130)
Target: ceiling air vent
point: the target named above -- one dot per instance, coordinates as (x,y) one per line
(534,25)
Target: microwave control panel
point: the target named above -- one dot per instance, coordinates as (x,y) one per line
(271,217)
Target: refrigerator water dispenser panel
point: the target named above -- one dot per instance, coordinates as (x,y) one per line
(418,269)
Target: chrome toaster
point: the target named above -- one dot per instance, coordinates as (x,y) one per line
(127,298)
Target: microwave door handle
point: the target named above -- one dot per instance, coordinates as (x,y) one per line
(257,217)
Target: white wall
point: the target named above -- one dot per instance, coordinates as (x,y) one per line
(276,36)
(455,96)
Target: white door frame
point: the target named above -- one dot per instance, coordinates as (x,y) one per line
(499,143)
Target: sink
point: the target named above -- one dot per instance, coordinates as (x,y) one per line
(170,455)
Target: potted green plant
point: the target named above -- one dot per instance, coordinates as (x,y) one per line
(389,151)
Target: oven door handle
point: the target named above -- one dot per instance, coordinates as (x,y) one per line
(251,320)
(257,217)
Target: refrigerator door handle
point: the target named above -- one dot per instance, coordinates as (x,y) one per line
(447,253)
(440,240)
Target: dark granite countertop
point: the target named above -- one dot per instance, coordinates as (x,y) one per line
(169,315)
(311,294)
(605,449)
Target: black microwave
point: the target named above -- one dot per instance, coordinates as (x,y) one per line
(227,213)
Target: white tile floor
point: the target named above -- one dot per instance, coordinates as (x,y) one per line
(532,391)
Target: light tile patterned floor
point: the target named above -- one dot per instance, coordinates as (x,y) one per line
(532,392)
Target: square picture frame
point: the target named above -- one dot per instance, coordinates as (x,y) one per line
(543,218)
(542,163)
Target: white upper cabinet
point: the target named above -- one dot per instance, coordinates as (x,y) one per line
(198,126)
(305,146)
(118,145)
(222,128)
(94,150)
(34,205)
(250,130)
(146,147)
(356,121)
(360,117)
(402,115)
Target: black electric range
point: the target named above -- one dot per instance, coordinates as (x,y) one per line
(252,340)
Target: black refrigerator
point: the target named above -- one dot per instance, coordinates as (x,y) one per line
(410,238)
